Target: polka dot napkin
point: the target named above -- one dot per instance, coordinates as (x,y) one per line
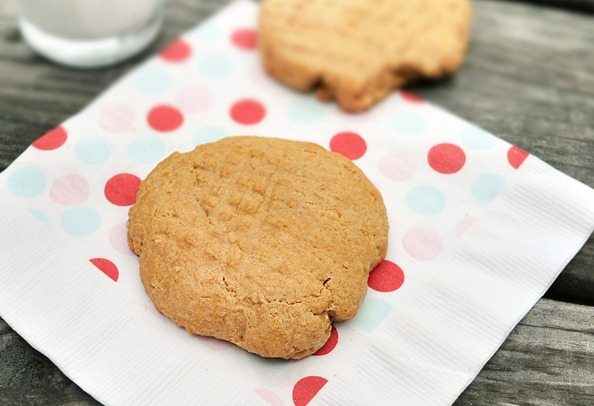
(478,230)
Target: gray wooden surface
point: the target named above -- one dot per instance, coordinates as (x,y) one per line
(577,5)
(529,78)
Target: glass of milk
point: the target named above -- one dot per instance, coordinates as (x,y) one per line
(89,33)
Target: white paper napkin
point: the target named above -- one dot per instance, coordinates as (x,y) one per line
(478,230)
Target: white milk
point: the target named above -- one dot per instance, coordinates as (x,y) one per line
(89,32)
(88,19)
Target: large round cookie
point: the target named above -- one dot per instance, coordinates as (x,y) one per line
(357,51)
(262,242)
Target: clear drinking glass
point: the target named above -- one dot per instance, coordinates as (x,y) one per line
(89,33)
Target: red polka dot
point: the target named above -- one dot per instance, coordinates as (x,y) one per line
(122,188)
(245,38)
(386,277)
(306,388)
(330,344)
(446,158)
(349,144)
(516,156)
(177,51)
(411,97)
(107,267)
(165,118)
(51,140)
(247,111)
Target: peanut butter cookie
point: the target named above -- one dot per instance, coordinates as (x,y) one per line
(357,51)
(262,242)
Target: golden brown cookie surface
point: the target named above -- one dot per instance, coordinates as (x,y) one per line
(357,51)
(258,241)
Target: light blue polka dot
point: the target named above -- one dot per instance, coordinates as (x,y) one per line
(305,111)
(409,123)
(477,138)
(372,312)
(425,200)
(214,65)
(39,215)
(152,80)
(80,221)
(487,186)
(28,181)
(205,135)
(146,150)
(206,31)
(93,150)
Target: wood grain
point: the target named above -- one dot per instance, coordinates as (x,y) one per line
(547,360)
(583,6)
(529,78)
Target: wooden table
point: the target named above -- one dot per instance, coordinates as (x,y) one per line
(529,78)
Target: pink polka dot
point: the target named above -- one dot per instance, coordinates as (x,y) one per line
(422,243)
(122,188)
(118,238)
(397,165)
(51,140)
(177,51)
(107,267)
(330,344)
(446,158)
(307,388)
(516,156)
(116,118)
(386,277)
(70,189)
(411,97)
(165,118)
(247,111)
(245,38)
(349,144)
(268,396)
(464,225)
(194,99)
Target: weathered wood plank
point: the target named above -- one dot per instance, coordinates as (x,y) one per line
(583,6)
(29,378)
(547,360)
